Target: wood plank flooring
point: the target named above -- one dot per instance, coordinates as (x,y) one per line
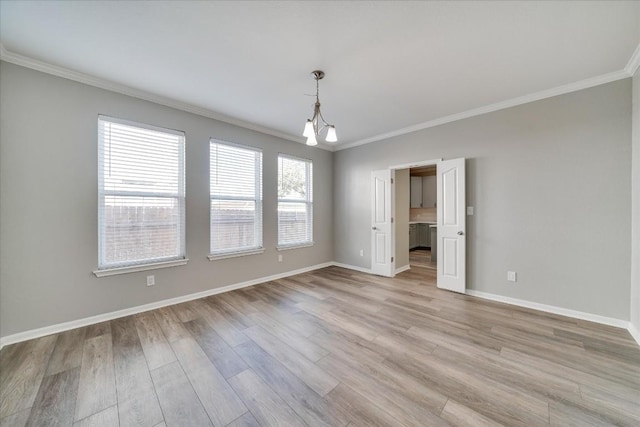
(421,258)
(332,347)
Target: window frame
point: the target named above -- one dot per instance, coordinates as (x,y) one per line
(109,269)
(308,201)
(258,199)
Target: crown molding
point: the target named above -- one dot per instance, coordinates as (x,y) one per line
(634,62)
(34,64)
(14,58)
(628,71)
(537,96)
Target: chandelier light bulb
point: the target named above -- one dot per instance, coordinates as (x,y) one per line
(311,140)
(331,134)
(308,129)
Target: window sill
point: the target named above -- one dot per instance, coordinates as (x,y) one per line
(296,246)
(215,257)
(142,267)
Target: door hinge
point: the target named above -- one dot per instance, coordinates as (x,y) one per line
(391,220)
(391,259)
(392,180)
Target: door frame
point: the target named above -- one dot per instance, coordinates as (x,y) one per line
(430,162)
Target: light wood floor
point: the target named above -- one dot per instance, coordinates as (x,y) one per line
(331,347)
(422,258)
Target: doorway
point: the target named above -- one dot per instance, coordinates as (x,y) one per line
(439,227)
(422,218)
(415,216)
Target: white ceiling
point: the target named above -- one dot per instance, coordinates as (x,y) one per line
(389,65)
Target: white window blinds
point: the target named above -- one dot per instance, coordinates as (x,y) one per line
(141,194)
(295,201)
(236,198)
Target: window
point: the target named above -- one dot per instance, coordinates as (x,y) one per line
(140,196)
(235,182)
(295,202)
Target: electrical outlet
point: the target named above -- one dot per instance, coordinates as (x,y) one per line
(361,252)
(511,276)
(279,257)
(151,280)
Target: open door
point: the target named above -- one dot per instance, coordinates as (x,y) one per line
(451,244)
(382,262)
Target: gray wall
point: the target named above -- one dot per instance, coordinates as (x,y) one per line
(48,204)
(551,186)
(402,217)
(550,180)
(635,237)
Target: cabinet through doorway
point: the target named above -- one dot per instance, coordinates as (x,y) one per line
(422,216)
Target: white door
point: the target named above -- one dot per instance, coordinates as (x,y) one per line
(382,262)
(451,245)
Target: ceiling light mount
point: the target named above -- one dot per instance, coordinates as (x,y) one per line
(318,74)
(317,123)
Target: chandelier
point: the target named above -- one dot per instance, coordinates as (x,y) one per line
(317,124)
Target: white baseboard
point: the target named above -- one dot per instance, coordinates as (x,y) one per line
(352,267)
(619,323)
(552,309)
(368,270)
(635,333)
(403,268)
(61,327)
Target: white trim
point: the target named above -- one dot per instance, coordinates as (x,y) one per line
(61,327)
(98,82)
(404,268)
(214,257)
(537,96)
(66,73)
(295,246)
(619,323)
(552,309)
(416,164)
(353,267)
(635,333)
(142,267)
(147,126)
(234,144)
(292,157)
(634,62)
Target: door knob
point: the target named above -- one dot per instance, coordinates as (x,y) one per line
(374,228)
(460,233)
